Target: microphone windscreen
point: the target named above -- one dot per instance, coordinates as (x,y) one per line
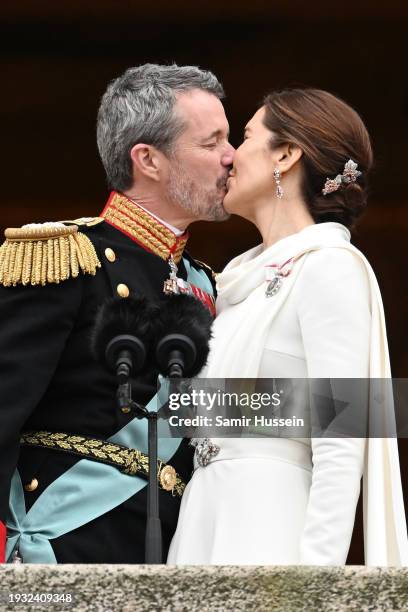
(185,314)
(118,316)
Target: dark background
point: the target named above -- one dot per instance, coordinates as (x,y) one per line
(57,58)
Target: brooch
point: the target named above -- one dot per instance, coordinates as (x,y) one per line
(275,274)
(205,450)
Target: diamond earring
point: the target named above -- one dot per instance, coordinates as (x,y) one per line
(277,177)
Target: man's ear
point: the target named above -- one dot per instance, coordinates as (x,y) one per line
(289,156)
(146,160)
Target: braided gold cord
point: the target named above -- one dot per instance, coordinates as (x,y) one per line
(37,260)
(57,265)
(126,215)
(79,255)
(34,262)
(7,261)
(7,280)
(3,249)
(44,266)
(84,246)
(13,255)
(179,251)
(28,256)
(6,265)
(87,251)
(83,254)
(4,262)
(50,261)
(64,257)
(138,232)
(72,257)
(150,223)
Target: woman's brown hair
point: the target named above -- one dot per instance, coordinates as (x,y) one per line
(329,132)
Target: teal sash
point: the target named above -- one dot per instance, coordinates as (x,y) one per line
(198,278)
(80,494)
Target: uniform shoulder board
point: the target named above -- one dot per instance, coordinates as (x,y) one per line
(208,268)
(42,253)
(84,221)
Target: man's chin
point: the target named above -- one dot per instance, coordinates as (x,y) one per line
(219,215)
(215,213)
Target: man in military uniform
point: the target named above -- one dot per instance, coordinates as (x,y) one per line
(163,140)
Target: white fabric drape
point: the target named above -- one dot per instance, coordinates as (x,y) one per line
(236,352)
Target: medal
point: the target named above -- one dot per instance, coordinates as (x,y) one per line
(170,285)
(176,286)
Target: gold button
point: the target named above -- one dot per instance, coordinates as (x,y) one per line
(31,486)
(123,290)
(125,410)
(168,477)
(110,255)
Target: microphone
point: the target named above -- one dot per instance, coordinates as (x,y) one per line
(122,336)
(183,335)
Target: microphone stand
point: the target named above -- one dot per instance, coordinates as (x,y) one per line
(153,527)
(153,541)
(170,351)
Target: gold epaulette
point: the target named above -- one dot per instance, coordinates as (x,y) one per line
(41,253)
(204,265)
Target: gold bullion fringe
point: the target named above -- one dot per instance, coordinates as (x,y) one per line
(46,260)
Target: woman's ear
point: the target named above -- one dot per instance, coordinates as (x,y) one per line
(289,156)
(146,160)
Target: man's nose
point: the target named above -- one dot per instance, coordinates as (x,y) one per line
(228,156)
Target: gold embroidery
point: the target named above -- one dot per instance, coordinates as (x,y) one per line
(144,228)
(48,253)
(150,223)
(139,233)
(128,460)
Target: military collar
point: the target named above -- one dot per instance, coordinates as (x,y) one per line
(142,227)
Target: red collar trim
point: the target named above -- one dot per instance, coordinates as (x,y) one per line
(141,227)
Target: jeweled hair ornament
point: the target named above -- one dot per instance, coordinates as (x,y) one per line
(350,175)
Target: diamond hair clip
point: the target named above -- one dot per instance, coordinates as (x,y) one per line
(350,175)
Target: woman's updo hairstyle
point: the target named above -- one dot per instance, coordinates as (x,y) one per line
(329,132)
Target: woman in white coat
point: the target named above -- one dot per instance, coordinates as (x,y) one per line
(304,303)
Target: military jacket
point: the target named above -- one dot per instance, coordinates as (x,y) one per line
(50,381)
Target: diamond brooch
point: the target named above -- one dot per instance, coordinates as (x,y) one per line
(205,450)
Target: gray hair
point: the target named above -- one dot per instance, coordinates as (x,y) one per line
(138,106)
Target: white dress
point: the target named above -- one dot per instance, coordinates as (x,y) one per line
(290,500)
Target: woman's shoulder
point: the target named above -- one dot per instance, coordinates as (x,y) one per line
(335,269)
(326,260)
